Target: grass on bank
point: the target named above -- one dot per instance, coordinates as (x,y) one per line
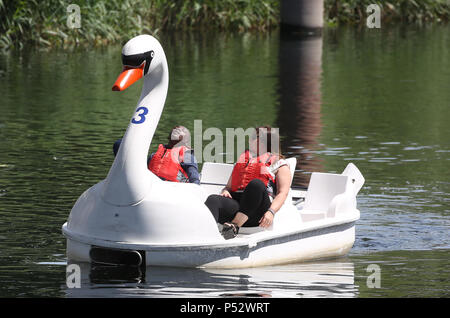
(44,23)
(405,11)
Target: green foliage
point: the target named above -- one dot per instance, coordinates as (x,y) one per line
(225,14)
(44,23)
(354,11)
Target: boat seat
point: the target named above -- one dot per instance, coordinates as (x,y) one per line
(215,173)
(292,164)
(323,187)
(355,176)
(328,195)
(214,176)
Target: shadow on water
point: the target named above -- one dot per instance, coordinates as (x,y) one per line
(300,69)
(319,279)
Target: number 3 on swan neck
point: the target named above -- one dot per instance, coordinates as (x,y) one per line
(139,117)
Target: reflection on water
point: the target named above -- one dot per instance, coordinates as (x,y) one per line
(321,279)
(300,69)
(401,274)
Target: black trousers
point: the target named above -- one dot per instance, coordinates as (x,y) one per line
(253,202)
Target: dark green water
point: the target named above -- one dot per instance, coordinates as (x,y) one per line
(377,98)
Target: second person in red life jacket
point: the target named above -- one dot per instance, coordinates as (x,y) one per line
(256,189)
(175,161)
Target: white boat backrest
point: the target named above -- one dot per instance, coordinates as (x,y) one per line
(292,163)
(356,178)
(218,173)
(215,173)
(323,187)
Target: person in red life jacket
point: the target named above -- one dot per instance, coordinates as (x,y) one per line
(257,188)
(175,161)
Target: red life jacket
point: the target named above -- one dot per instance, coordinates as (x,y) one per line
(166,163)
(248,168)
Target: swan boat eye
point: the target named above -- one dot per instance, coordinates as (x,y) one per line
(136,60)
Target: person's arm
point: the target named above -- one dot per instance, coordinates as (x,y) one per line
(149,159)
(193,175)
(283,177)
(190,166)
(226,191)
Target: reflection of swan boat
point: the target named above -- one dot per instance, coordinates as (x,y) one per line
(133,217)
(318,279)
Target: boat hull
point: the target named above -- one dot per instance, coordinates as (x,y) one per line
(306,245)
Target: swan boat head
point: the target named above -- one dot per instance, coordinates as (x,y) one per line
(129,180)
(137,56)
(132,204)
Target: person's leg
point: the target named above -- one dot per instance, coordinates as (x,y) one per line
(253,204)
(223,209)
(239,218)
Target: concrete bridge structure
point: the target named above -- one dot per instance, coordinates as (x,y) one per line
(304,15)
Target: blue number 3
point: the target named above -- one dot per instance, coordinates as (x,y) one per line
(139,118)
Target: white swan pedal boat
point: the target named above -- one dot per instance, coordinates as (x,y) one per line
(134,218)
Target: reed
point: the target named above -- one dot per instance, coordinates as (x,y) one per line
(44,23)
(225,14)
(405,11)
